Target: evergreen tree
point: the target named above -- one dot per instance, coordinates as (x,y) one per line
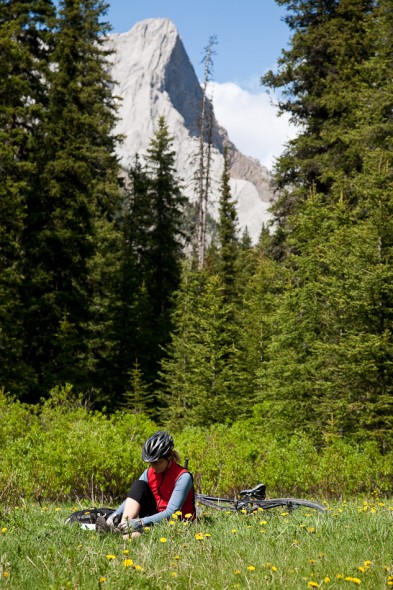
(201,374)
(71,205)
(327,366)
(138,399)
(320,76)
(165,240)
(227,232)
(25,41)
(134,309)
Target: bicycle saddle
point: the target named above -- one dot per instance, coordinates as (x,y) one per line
(259,491)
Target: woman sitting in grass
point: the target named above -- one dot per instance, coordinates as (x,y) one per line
(164,488)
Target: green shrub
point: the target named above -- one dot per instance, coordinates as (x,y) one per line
(63,451)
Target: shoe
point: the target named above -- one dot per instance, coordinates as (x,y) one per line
(103,527)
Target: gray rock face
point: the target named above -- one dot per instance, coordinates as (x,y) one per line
(154,77)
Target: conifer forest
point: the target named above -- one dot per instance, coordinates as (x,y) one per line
(101,283)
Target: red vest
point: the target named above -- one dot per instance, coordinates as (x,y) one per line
(163,484)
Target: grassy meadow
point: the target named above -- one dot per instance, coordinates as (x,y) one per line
(348,546)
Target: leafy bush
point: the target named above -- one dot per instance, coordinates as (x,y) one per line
(64,451)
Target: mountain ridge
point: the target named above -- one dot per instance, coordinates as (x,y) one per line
(154,77)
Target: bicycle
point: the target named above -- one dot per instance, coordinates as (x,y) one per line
(254,499)
(249,502)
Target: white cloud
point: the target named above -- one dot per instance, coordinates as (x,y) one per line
(251,121)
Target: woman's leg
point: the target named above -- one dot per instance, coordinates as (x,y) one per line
(140,502)
(131,509)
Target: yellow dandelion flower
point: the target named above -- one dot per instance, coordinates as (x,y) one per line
(262,522)
(262,531)
(390,583)
(178,512)
(173,574)
(172,522)
(353,580)
(367,563)
(57,509)
(362,569)
(234,531)
(176,557)
(312,561)
(111,556)
(199,536)
(326,580)
(243,511)
(274,569)
(260,509)
(102,580)
(295,542)
(163,540)
(188,515)
(251,568)
(207,535)
(4,529)
(138,568)
(284,513)
(312,584)
(236,572)
(126,551)
(128,562)
(6,574)
(174,516)
(340,576)
(311,529)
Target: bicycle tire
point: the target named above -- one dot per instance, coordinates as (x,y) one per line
(251,505)
(289,503)
(216,503)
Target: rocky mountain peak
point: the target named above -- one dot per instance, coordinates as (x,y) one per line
(154,77)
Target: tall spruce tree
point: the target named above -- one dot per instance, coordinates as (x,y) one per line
(200,372)
(165,240)
(134,310)
(25,43)
(327,366)
(320,76)
(71,205)
(227,233)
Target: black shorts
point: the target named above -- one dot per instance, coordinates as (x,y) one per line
(141,493)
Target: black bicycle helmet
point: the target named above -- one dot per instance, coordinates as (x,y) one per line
(158,445)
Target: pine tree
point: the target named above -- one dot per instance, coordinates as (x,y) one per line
(200,373)
(138,399)
(327,366)
(165,240)
(25,41)
(320,76)
(227,232)
(134,310)
(70,208)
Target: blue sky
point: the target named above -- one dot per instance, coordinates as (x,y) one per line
(250,36)
(250,33)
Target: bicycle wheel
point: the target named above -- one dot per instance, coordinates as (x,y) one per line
(289,503)
(216,503)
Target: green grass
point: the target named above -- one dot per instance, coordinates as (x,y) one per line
(349,546)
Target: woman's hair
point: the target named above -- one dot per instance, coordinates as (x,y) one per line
(174,455)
